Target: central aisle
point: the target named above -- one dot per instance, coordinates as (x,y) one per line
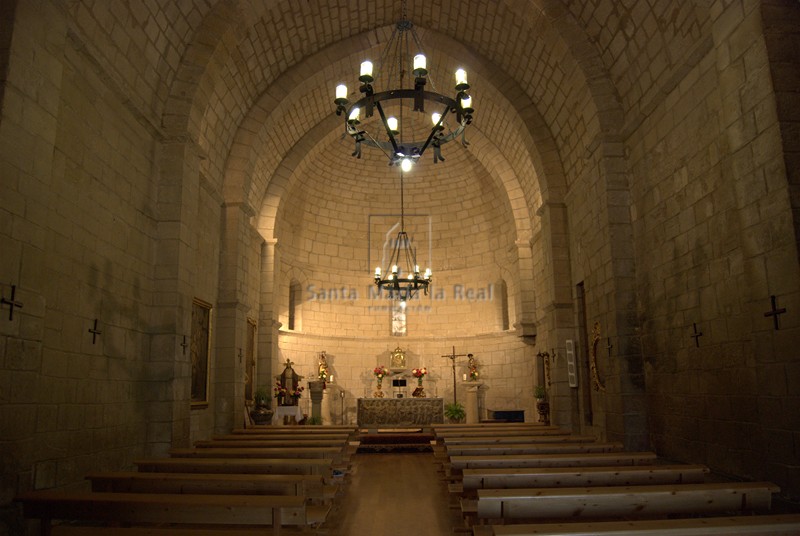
(392,494)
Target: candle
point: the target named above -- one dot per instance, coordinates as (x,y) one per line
(465,377)
(331,378)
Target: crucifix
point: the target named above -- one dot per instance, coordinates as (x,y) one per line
(95,332)
(774,313)
(11,302)
(696,335)
(452,357)
(609,346)
(184,344)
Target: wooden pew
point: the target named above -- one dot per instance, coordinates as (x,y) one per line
(258,441)
(441,436)
(491,426)
(760,525)
(351,431)
(705,498)
(275,466)
(274,510)
(333,453)
(547,477)
(460,463)
(511,439)
(309,486)
(532,448)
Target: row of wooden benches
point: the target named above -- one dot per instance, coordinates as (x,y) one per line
(234,485)
(527,479)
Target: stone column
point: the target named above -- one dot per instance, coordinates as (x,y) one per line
(471,401)
(317,389)
(327,393)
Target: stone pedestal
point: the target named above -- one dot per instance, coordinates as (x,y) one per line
(326,404)
(317,389)
(472,401)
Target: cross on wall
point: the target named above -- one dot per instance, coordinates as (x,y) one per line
(11,302)
(775,312)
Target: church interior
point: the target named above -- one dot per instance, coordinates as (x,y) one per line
(611,218)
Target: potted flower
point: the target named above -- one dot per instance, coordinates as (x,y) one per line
(379,372)
(455,412)
(419,373)
(261,413)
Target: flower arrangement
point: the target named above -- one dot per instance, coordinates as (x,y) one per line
(473,373)
(282,392)
(380,371)
(419,373)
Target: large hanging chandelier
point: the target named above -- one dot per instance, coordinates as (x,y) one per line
(402,141)
(403,279)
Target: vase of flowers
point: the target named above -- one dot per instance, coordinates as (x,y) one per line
(379,372)
(287,397)
(419,373)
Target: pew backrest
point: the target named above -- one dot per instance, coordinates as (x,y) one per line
(553,460)
(760,525)
(275,510)
(545,477)
(705,498)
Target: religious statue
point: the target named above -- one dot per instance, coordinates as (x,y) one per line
(322,371)
(288,389)
(398,359)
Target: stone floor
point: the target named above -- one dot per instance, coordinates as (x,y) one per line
(392,494)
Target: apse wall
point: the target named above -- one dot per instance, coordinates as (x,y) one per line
(330,230)
(333,227)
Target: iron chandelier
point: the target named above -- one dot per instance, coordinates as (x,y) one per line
(398,140)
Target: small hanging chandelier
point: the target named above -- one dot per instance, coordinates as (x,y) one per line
(397,139)
(402,278)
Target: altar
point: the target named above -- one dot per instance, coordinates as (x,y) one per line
(400,412)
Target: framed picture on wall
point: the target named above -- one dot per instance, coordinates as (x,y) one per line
(200,348)
(250,359)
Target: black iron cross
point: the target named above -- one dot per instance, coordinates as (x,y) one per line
(696,335)
(11,302)
(452,357)
(609,346)
(184,344)
(775,312)
(240,355)
(95,332)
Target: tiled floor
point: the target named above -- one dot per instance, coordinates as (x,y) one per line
(392,494)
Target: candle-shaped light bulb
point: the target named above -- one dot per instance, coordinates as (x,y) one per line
(466,102)
(366,72)
(416,268)
(435,117)
(420,65)
(341,92)
(391,123)
(405,164)
(355,113)
(427,273)
(461,80)
(394,268)
(378,272)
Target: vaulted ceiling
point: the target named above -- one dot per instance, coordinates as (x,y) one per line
(251,82)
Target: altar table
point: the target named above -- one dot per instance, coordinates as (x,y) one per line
(287,411)
(399,412)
